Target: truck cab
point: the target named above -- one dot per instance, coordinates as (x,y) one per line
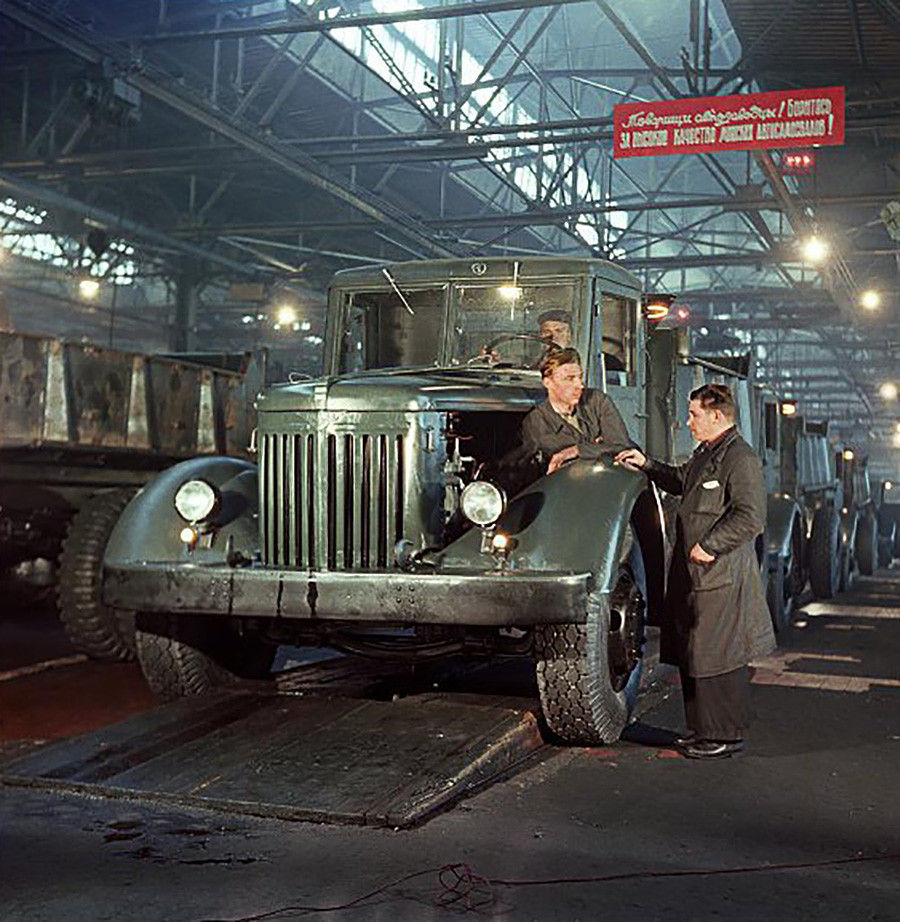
(384,515)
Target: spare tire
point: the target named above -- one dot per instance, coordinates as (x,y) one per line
(101,632)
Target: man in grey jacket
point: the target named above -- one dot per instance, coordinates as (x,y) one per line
(717,620)
(573,422)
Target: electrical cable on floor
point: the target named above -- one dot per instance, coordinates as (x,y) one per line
(460,887)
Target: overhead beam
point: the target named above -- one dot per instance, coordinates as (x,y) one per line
(23,190)
(452,11)
(154,84)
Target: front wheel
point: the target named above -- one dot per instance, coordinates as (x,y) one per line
(183,655)
(101,632)
(588,674)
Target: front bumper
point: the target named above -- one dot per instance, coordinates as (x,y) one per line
(492,598)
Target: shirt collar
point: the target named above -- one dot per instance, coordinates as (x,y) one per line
(712,443)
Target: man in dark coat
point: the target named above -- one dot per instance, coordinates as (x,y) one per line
(573,422)
(717,620)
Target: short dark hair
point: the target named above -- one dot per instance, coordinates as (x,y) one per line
(556,357)
(558,315)
(715,397)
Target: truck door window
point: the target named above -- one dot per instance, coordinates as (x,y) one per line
(381,331)
(614,339)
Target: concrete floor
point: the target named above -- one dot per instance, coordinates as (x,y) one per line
(806,825)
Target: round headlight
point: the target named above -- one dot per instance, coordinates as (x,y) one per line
(195,500)
(482,502)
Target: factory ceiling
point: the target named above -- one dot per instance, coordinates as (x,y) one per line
(276,142)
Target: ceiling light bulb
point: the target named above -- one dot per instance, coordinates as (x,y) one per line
(286,315)
(870,300)
(888,391)
(89,289)
(814,249)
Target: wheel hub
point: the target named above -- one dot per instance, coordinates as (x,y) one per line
(626,630)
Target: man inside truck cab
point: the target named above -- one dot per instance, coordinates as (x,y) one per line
(556,326)
(573,421)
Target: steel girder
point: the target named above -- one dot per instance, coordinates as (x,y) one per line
(28,191)
(153,83)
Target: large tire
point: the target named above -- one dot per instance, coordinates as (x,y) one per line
(886,540)
(588,674)
(779,597)
(184,655)
(867,545)
(825,553)
(849,568)
(101,632)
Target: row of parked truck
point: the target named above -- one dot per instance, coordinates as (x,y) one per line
(372,509)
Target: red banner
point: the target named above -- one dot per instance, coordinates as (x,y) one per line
(747,121)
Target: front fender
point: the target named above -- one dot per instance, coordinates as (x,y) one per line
(149,528)
(781,514)
(572,521)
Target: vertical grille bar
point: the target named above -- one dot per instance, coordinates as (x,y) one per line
(284,478)
(340,500)
(331,501)
(400,500)
(295,492)
(348,472)
(364,494)
(390,495)
(375,489)
(383,541)
(311,520)
(265,494)
(272,497)
(358,463)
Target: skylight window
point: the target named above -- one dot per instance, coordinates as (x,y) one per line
(23,236)
(413,49)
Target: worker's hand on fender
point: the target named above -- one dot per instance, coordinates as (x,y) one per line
(563,456)
(632,458)
(698,555)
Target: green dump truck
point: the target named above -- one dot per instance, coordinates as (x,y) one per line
(382,516)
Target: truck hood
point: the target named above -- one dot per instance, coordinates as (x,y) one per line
(410,390)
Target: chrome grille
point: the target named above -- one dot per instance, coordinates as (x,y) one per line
(331,500)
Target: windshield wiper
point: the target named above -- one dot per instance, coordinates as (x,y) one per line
(400,295)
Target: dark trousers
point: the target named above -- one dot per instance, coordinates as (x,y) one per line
(718,707)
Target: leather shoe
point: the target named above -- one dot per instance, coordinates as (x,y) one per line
(712,749)
(685,739)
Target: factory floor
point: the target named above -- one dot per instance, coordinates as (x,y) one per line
(804,825)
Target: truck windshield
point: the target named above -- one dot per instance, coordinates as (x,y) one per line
(508,320)
(383,330)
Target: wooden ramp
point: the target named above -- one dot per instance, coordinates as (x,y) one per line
(295,756)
